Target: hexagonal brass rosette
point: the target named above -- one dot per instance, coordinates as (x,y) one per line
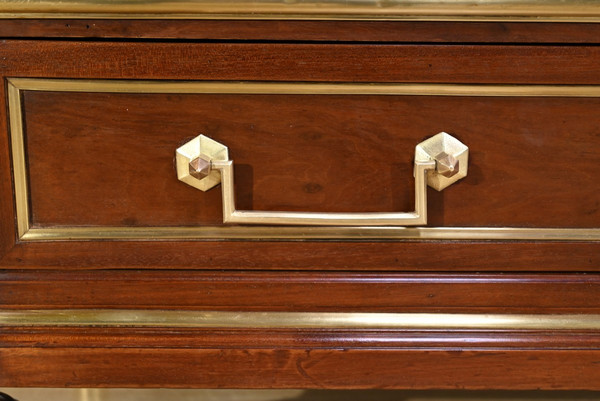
(193,162)
(451,157)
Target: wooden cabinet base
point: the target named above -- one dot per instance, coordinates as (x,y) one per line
(115,274)
(301,359)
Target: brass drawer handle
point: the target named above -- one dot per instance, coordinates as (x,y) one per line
(439,161)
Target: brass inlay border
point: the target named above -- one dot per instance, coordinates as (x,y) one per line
(28,233)
(308,233)
(419,10)
(301,320)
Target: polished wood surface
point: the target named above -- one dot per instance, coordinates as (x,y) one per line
(470,63)
(334,31)
(353,368)
(7,207)
(417,256)
(537,128)
(532,166)
(308,292)
(101,159)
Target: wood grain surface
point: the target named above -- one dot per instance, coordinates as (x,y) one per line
(520,195)
(293,291)
(332,31)
(101,159)
(7,209)
(18,338)
(532,165)
(416,256)
(525,64)
(302,368)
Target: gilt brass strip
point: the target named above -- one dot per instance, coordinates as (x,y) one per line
(419,10)
(27,233)
(301,88)
(18,155)
(304,320)
(311,233)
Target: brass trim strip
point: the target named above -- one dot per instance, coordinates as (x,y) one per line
(19,161)
(299,88)
(304,320)
(28,233)
(315,233)
(420,10)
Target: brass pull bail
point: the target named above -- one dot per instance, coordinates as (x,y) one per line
(439,161)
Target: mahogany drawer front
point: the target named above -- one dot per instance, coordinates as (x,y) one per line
(322,128)
(117,261)
(105,159)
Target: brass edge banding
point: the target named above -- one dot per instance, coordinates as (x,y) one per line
(316,233)
(421,10)
(18,155)
(301,88)
(27,233)
(589,19)
(296,320)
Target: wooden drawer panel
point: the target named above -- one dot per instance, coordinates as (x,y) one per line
(93,170)
(106,159)
(98,152)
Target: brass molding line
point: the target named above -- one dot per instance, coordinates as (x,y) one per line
(299,88)
(294,320)
(27,233)
(15,118)
(310,233)
(367,10)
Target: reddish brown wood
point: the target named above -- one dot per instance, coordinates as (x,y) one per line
(107,159)
(315,256)
(408,63)
(356,31)
(7,211)
(303,62)
(301,368)
(123,337)
(467,293)
(283,275)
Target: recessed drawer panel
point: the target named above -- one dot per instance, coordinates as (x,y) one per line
(93,152)
(106,159)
